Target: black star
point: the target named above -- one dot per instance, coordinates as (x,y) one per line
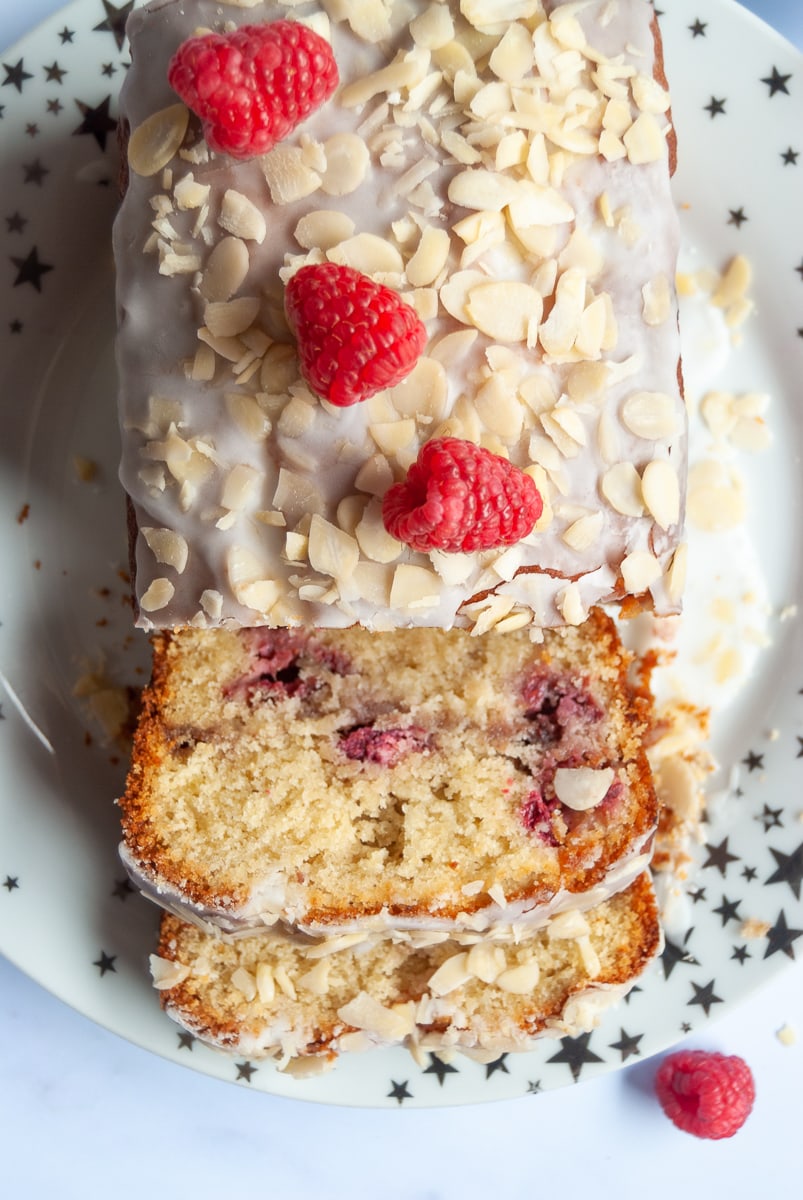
(627,1044)
(438,1067)
(790,869)
(533,1087)
(674,954)
(696,895)
(698,28)
(54,106)
(770,817)
(11,882)
(800,269)
(498,1064)
(32,129)
(108,69)
(54,73)
(705,997)
(15,76)
(741,953)
(105,963)
(185,1041)
(754,762)
(66,35)
(790,157)
(123,888)
(737,217)
(781,937)
(96,122)
(575,1053)
(685,1027)
(632,993)
(399,1092)
(115,21)
(749,873)
(719,857)
(16,222)
(715,108)
(777,82)
(728,910)
(34,172)
(245,1071)
(15,326)
(30,269)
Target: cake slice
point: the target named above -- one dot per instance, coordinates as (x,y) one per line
(333,781)
(505,170)
(261,998)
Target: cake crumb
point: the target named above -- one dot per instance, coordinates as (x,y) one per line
(786,1035)
(753,928)
(85,468)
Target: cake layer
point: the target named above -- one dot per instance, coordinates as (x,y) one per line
(505,167)
(260,998)
(340,780)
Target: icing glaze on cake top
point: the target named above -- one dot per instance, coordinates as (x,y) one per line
(504,166)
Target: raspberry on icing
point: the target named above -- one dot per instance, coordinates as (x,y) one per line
(706,1094)
(355,337)
(252,87)
(461,497)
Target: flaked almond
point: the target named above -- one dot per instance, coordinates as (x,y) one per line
(375,476)
(248,416)
(716,499)
(226,269)
(499,408)
(661,492)
(433,27)
(227,318)
(640,570)
(166,973)
(157,596)
(453,973)
(374,540)
(347,161)
(323,229)
(332,551)
(167,546)
(644,140)
(656,300)
(414,587)
(241,217)
(485,960)
(512,57)
(153,143)
(244,982)
(405,71)
(368,253)
(288,176)
(430,257)
(582,788)
(424,393)
(242,487)
(584,532)
(387,1024)
(481,189)
(570,605)
(519,980)
(651,415)
(648,94)
(265,983)
(505,311)
(676,575)
(212,603)
(621,487)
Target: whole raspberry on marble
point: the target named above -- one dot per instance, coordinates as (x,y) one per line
(461,497)
(355,337)
(253,86)
(709,1095)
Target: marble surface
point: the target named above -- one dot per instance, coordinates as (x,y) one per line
(85,1114)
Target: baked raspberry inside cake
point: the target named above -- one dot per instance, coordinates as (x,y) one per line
(502,174)
(269,998)
(334,780)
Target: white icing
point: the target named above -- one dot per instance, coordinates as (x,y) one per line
(161,314)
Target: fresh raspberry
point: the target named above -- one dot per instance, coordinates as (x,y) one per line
(252,87)
(355,337)
(458,496)
(709,1095)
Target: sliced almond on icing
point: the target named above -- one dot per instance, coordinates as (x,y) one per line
(414,587)
(584,532)
(189,193)
(227,318)
(226,269)
(167,546)
(649,95)
(157,596)
(651,415)
(433,27)
(323,228)
(644,140)
(640,570)
(454,294)
(505,311)
(425,391)
(582,788)
(430,257)
(676,575)
(241,217)
(153,143)
(347,160)
(656,300)
(248,416)
(374,540)
(242,487)
(621,487)
(499,408)
(661,491)
(368,253)
(481,189)
(512,57)
(332,551)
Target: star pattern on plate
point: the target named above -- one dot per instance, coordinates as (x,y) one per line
(789,869)
(16,75)
(698,28)
(720,857)
(781,939)
(123,888)
(97,121)
(30,269)
(627,1045)
(776,82)
(186,1040)
(35,172)
(741,954)
(498,1064)
(534,1087)
(705,996)
(754,762)
(105,963)
(11,883)
(399,1091)
(246,1071)
(439,1068)
(737,217)
(789,157)
(114,21)
(576,1054)
(728,910)
(54,73)
(673,954)
(715,107)
(770,818)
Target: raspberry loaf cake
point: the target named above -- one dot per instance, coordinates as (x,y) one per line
(498,172)
(333,781)
(306,1005)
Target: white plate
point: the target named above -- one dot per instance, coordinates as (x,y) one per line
(66,916)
